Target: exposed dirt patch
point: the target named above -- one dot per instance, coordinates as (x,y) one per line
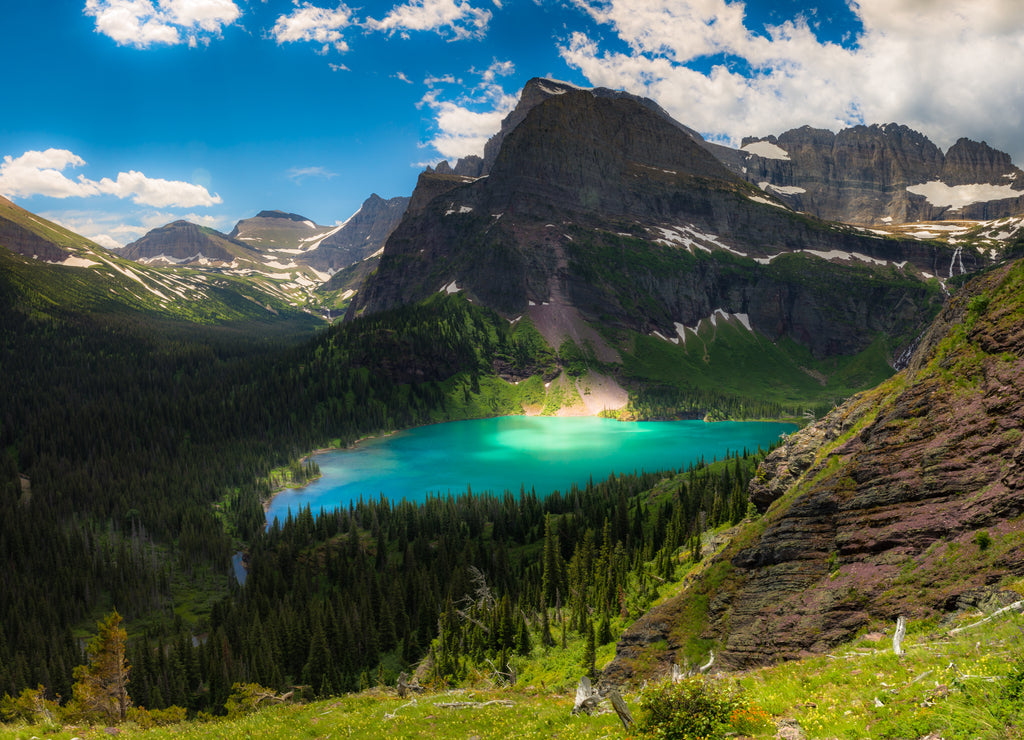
(601,393)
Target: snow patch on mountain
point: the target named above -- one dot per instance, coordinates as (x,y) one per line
(766,150)
(759,199)
(690,237)
(940,194)
(719,314)
(73,261)
(784,189)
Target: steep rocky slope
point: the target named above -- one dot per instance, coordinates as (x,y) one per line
(906,500)
(360,236)
(26,234)
(601,210)
(880,174)
(182,243)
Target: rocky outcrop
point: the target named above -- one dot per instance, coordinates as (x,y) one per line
(27,243)
(535,92)
(876,510)
(361,235)
(182,242)
(869,174)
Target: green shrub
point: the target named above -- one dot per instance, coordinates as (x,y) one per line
(982,539)
(31,706)
(147,719)
(696,707)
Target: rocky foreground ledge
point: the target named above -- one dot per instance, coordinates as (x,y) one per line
(903,501)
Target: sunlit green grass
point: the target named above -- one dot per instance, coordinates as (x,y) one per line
(949,685)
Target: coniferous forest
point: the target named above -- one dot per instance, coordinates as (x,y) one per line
(134,459)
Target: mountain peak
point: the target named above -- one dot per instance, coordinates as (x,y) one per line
(282,215)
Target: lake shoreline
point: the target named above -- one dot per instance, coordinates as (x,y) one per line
(550,461)
(277,490)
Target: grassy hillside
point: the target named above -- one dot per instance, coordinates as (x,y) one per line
(963,678)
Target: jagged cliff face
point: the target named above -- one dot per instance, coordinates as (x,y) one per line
(360,236)
(876,175)
(875,511)
(605,207)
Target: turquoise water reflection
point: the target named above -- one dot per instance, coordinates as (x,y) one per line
(546,453)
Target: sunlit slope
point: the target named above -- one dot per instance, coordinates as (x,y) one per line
(48,269)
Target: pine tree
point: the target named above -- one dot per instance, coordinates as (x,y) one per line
(102,686)
(590,652)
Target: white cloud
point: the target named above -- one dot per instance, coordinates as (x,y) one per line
(464,125)
(207,15)
(298,174)
(311,23)
(457,17)
(157,192)
(41,173)
(946,67)
(140,23)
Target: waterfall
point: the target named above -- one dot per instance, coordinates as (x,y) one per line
(957,258)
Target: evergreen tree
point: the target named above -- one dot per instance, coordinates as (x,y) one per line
(101,687)
(590,652)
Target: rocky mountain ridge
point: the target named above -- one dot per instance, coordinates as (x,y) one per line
(599,209)
(54,269)
(185,243)
(906,500)
(877,175)
(880,175)
(286,253)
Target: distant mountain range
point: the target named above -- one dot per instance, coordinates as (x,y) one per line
(58,271)
(286,250)
(887,179)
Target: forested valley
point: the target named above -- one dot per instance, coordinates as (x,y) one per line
(135,456)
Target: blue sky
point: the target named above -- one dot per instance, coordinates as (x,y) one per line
(123,115)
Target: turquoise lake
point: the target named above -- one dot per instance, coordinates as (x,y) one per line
(546,453)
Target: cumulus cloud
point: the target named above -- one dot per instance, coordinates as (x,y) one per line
(314,24)
(41,173)
(455,17)
(940,66)
(464,124)
(140,23)
(156,192)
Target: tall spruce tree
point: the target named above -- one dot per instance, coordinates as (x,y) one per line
(101,687)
